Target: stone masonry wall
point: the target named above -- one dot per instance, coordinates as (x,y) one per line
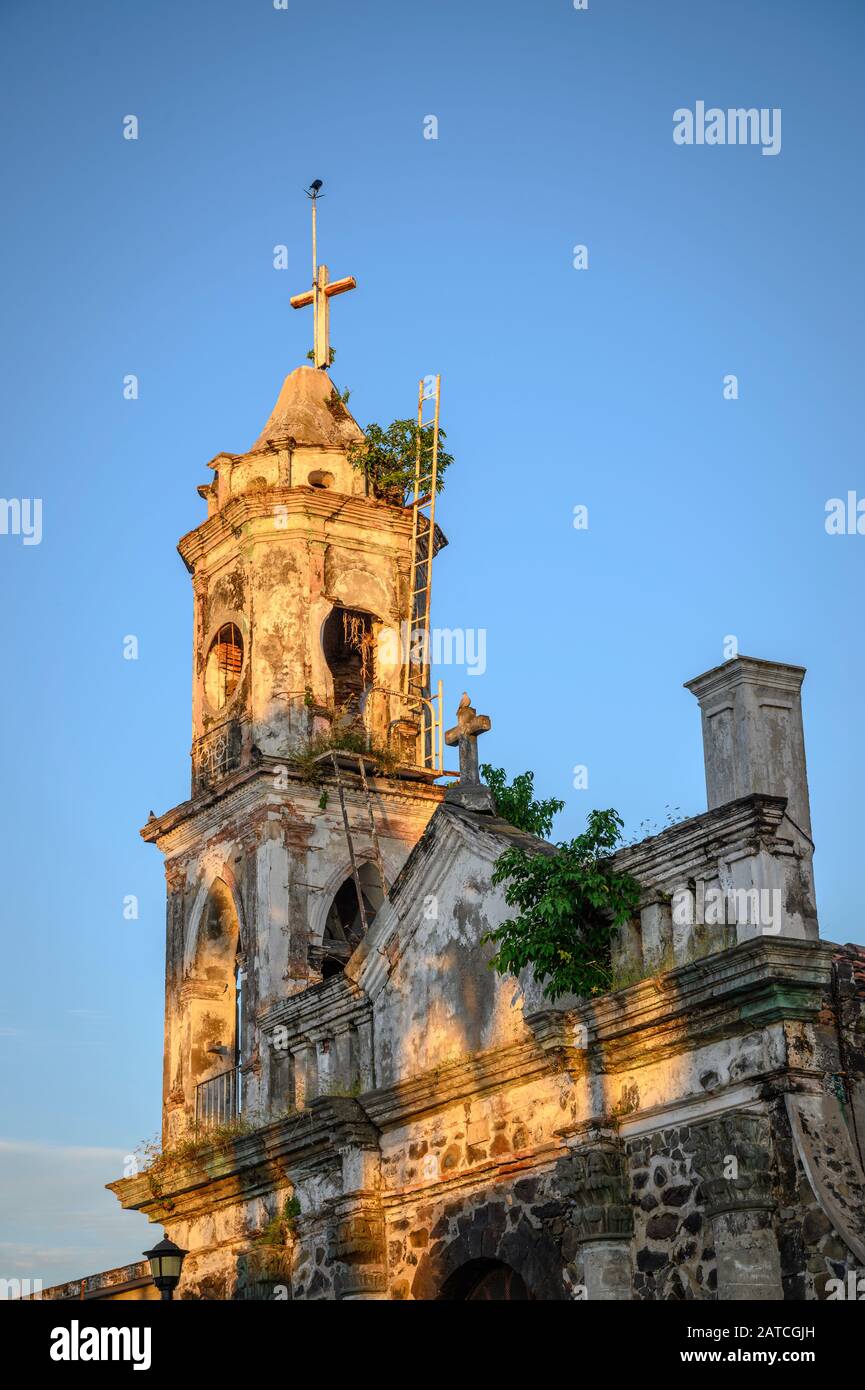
(674,1253)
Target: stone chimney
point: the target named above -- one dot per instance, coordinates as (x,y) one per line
(753,739)
(753,743)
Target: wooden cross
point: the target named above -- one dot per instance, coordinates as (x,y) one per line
(319,297)
(465,733)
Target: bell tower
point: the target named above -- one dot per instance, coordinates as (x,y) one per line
(301,582)
(313,754)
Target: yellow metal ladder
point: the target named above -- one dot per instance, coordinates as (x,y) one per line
(416,673)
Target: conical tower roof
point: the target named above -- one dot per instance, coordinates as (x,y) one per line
(303,412)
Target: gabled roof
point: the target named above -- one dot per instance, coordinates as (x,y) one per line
(495,833)
(486,836)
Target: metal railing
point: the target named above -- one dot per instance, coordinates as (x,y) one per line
(215,755)
(381,712)
(217,1101)
(426,712)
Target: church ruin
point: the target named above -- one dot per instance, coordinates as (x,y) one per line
(355,1106)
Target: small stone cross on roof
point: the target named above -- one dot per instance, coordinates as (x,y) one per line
(464,734)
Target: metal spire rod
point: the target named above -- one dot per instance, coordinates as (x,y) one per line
(322,291)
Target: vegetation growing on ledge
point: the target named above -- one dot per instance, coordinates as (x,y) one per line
(386,457)
(153,1156)
(350,740)
(673,816)
(569,904)
(515,801)
(280,1227)
(154,1160)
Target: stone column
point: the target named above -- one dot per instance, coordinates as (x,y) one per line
(343,1062)
(365,1058)
(278,1080)
(305,1077)
(359,1239)
(175,1038)
(656,930)
(603,1223)
(324,1065)
(733,1158)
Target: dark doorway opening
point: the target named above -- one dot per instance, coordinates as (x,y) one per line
(490,1281)
(349,645)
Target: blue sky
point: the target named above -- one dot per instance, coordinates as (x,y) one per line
(560,387)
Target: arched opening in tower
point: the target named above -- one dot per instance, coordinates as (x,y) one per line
(216,1003)
(349,650)
(343,929)
(224,665)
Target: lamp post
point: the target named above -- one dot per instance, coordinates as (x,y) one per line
(166,1261)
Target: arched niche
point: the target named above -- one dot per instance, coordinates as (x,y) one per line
(214,990)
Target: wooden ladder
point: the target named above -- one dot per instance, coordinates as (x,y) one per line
(379,858)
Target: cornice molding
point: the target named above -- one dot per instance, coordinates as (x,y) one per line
(319,1012)
(741,989)
(250,1165)
(692,848)
(499,1069)
(242,793)
(303,506)
(746,670)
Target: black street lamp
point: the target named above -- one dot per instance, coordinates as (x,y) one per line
(166,1261)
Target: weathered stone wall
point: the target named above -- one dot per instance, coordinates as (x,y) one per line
(282,858)
(515,1175)
(811,1250)
(674,1256)
(436,1001)
(520,1222)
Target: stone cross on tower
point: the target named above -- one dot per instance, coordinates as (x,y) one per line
(469,791)
(320,295)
